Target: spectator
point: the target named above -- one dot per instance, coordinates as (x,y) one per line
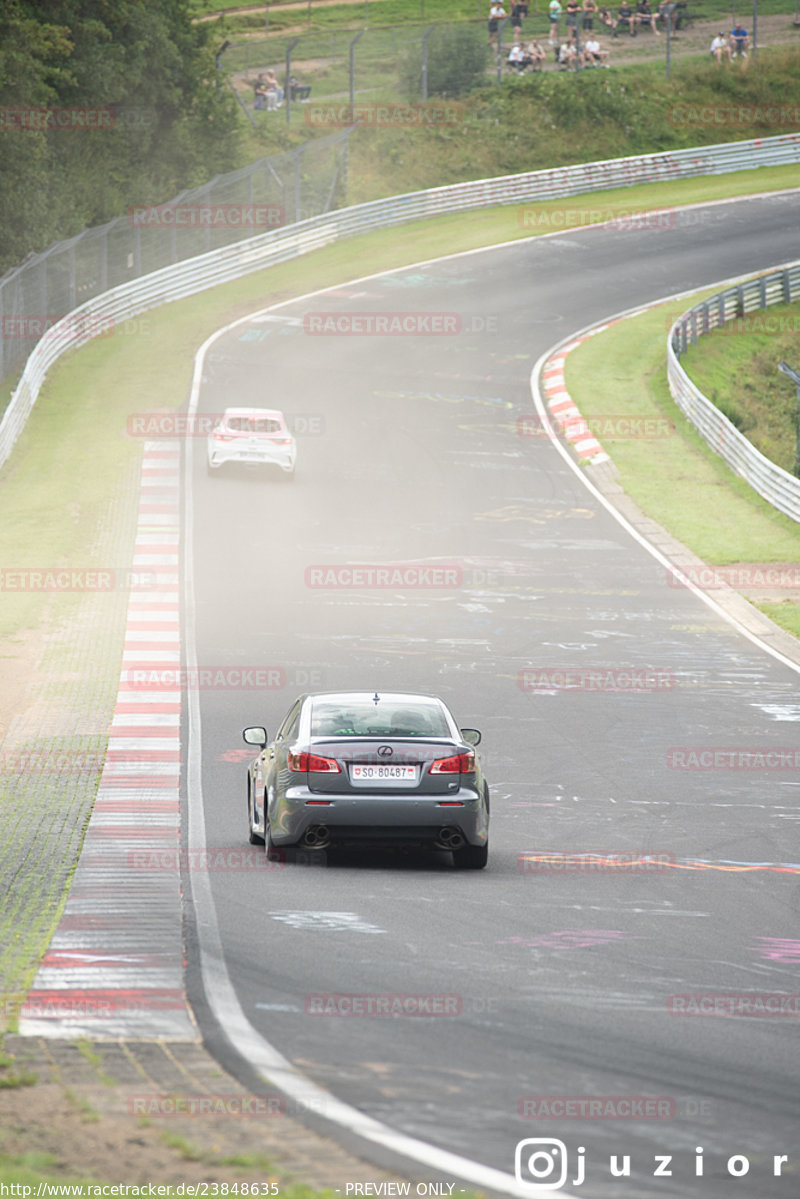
(573,9)
(605,18)
(518,60)
(554,12)
(627,17)
(589,13)
(567,57)
(496,14)
(646,15)
(260,93)
(537,55)
(719,47)
(274,90)
(593,55)
(516,18)
(740,40)
(299,91)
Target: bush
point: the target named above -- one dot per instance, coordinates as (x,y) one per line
(457,61)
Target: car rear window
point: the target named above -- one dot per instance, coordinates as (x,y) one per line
(368,719)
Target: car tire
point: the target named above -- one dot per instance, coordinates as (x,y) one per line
(273,852)
(471,857)
(254,838)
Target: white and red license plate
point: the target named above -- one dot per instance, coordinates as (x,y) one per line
(382,775)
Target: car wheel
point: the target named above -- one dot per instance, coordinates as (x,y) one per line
(274,853)
(254,838)
(471,857)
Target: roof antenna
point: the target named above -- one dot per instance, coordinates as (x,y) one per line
(376,699)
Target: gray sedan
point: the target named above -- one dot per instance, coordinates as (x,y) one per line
(356,768)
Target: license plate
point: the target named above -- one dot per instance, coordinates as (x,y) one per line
(383,774)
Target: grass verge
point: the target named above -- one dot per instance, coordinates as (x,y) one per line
(737,368)
(675,478)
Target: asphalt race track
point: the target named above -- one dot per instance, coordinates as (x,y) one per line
(551,983)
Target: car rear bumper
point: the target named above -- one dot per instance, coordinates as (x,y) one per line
(380,818)
(220,455)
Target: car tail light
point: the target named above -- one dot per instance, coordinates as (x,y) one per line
(281,440)
(224,436)
(459,764)
(307,761)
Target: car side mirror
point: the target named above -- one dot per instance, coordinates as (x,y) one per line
(256,736)
(471,736)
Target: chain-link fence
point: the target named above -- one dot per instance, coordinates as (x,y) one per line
(272,192)
(409,63)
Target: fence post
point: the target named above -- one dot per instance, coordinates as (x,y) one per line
(287,91)
(352,70)
(500,29)
(425,37)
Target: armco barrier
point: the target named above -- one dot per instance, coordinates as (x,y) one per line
(776,485)
(231,262)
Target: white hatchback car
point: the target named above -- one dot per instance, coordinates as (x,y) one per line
(252,435)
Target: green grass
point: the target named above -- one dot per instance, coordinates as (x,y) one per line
(534,121)
(737,369)
(676,479)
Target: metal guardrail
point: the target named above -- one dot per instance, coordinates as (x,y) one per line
(233,261)
(772,482)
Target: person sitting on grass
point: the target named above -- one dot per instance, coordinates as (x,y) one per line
(536,54)
(719,46)
(627,18)
(646,14)
(740,40)
(567,57)
(593,55)
(518,60)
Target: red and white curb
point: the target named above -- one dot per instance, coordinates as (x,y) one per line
(115,964)
(563,410)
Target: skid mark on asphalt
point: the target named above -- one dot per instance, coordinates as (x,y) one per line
(777,949)
(329,922)
(584,938)
(596,863)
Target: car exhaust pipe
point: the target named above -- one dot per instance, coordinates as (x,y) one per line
(316,836)
(450,838)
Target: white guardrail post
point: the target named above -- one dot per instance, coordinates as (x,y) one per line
(233,261)
(772,482)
